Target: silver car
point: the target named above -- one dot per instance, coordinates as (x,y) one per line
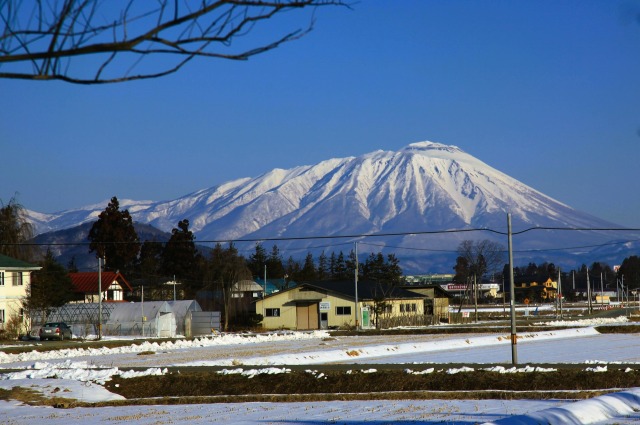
(55,330)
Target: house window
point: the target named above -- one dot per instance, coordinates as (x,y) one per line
(343,311)
(388,308)
(1,316)
(17,279)
(1,278)
(272,312)
(408,308)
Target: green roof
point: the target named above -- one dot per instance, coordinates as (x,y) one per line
(12,263)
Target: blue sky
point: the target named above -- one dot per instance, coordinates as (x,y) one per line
(546,91)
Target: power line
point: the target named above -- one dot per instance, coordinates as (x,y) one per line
(347,236)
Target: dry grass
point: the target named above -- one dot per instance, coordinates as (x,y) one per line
(35,398)
(202,385)
(188,386)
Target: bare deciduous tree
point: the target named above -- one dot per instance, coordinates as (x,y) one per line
(15,231)
(481,256)
(94,41)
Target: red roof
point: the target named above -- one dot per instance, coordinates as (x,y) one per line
(87,282)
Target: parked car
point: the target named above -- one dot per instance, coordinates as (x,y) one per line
(55,330)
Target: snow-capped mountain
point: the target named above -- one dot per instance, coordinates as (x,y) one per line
(424,187)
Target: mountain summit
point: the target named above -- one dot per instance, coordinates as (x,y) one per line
(424,187)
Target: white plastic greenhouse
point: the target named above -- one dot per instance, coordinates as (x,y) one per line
(146,319)
(181,309)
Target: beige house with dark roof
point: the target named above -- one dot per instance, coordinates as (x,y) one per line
(332,304)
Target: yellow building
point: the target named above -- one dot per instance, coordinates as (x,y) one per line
(332,305)
(15,278)
(534,291)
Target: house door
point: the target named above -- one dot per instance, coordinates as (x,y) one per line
(307,316)
(324,320)
(164,325)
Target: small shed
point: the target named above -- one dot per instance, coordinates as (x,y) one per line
(147,319)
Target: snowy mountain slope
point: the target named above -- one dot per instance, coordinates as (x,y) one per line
(425,186)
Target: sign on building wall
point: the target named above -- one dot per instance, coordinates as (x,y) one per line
(366,318)
(325,306)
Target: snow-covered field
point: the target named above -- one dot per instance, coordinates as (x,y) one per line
(79,373)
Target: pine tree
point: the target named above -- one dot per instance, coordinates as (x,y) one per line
(72,267)
(50,287)
(333,260)
(293,272)
(257,260)
(180,258)
(308,272)
(323,267)
(393,271)
(340,270)
(114,238)
(275,268)
(630,271)
(148,270)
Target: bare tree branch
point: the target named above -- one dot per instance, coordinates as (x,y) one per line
(95,42)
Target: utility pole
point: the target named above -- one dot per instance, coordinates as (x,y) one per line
(142,307)
(589,293)
(512,292)
(99,298)
(356,287)
(560,291)
(475,295)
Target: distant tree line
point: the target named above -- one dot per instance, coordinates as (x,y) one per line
(485,262)
(152,264)
(210,275)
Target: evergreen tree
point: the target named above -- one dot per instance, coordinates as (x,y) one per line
(257,261)
(148,270)
(15,230)
(630,271)
(380,269)
(72,267)
(462,270)
(393,271)
(150,259)
(293,272)
(373,268)
(114,238)
(308,272)
(323,267)
(340,267)
(180,258)
(333,261)
(350,264)
(275,268)
(50,287)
